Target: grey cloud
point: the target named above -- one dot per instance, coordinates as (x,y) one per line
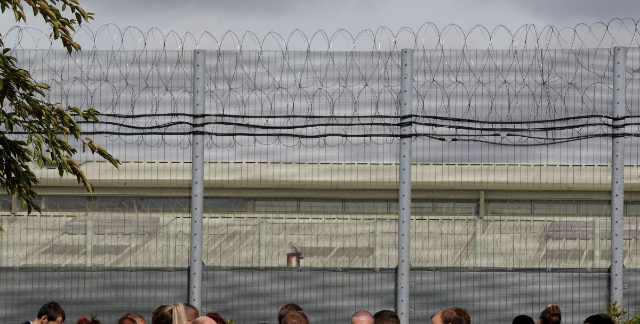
(581,9)
(559,13)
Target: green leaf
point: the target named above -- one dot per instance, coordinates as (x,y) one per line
(43,86)
(27,110)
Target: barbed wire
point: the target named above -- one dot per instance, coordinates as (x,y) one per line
(616,32)
(527,87)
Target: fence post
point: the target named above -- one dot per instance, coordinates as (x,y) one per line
(15,204)
(171,243)
(262,249)
(88,237)
(596,243)
(479,228)
(197,181)
(377,247)
(404,203)
(617,173)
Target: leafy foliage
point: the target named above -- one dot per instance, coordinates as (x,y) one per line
(44,126)
(619,315)
(48,9)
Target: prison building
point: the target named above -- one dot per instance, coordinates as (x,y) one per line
(341,215)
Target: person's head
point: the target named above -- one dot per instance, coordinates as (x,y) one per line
(600,318)
(192,313)
(362,317)
(84,320)
(386,317)
(463,314)
(204,320)
(446,316)
(136,317)
(50,313)
(126,320)
(523,319)
(169,314)
(296,317)
(286,309)
(217,318)
(550,315)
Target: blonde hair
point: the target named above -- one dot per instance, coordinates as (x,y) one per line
(169,314)
(136,317)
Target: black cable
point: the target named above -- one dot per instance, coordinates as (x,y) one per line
(400,124)
(132,116)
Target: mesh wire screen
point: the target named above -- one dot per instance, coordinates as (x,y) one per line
(251,295)
(510,183)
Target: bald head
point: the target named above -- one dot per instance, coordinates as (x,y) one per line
(204,320)
(362,317)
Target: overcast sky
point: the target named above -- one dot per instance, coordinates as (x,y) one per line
(285,16)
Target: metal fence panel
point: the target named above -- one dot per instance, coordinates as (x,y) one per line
(253,295)
(510,170)
(106,292)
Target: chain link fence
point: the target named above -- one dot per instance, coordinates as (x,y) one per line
(511,174)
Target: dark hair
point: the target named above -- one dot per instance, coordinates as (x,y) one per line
(216,317)
(52,310)
(551,315)
(386,317)
(126,320)
(600,318)
(84,320)
(449,316)
(286,309)
(523,319)
(298,317)
(463,314)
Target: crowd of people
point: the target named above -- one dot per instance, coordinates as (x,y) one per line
(180,313)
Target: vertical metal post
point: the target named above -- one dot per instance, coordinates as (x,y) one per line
(4,245)
(263,242)
(15,204)
(596,244)
(171,251)
(197,181)
(88,249)
(377,247)
(617,172)
(479,229)
(404,212)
